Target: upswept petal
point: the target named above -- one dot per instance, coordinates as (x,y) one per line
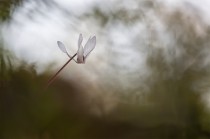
(89,46)
(80,52)
(80,40)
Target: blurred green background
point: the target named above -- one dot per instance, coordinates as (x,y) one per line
(172,108)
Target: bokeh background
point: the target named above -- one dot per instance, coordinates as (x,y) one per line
(148,77)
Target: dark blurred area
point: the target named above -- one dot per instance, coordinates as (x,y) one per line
(6,6)
(170,109)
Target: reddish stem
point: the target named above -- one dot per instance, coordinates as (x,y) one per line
(53,77)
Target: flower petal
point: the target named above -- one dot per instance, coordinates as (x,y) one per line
(62,47)
(80,40)
(80,52)
(89,46)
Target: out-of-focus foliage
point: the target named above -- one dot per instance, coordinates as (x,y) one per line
(170,108)
(6,7)
(173,106)
(29,110)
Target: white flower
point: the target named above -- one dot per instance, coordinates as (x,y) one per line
(82,53)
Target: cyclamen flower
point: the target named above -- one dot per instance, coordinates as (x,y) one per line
(82,53)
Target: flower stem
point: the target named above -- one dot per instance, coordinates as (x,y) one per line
(54,76)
